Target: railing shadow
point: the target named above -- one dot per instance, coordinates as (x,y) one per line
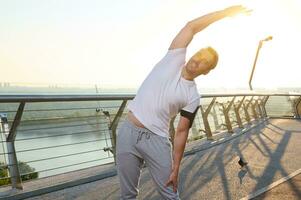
(216,160)
(274,165)
(267,137)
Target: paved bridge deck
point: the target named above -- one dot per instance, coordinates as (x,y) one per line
(272,149)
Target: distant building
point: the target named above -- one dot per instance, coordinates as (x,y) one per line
(4,84)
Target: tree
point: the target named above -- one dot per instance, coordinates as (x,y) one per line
(27,173)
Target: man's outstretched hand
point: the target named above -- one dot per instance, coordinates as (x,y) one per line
(236,10)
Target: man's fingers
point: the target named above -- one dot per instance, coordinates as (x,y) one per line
(175,185)
(169,182)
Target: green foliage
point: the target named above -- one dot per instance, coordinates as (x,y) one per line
(3,174)
(27,171)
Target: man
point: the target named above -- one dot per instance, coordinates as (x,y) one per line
(167,90)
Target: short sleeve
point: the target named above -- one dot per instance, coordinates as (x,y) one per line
(190,111)
(191,107)
(178,51)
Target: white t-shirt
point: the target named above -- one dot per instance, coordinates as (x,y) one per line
(164,93)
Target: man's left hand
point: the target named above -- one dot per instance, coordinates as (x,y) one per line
(173,180)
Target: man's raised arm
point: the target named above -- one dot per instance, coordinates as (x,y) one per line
(186,34)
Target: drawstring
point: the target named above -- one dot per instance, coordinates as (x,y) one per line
(147,136)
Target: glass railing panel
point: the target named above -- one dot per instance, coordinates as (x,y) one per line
(280,106)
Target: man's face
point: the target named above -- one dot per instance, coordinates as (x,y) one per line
(200,63)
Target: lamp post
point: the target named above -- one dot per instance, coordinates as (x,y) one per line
(255,61)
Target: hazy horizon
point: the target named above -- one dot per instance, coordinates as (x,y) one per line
(117,43)
(26,88)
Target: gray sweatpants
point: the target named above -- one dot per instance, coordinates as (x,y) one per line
(135,145)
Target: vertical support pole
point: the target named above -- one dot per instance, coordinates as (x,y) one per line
(298,108)
(3,132)
(253,107)
(13,166)
(236,109)
(254,64)
(264,102)
(113,127)
(205,114)
(246,107)
(258,104)
(226,115)
(12,156)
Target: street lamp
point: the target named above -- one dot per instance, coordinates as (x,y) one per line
(254,65)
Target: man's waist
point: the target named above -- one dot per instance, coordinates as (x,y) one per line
(131,117)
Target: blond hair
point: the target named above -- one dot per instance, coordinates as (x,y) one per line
(213,62)
(215,56)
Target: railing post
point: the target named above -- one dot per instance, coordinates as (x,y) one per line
(246,107)
(236,109)
(253,106)
(266,98)
(205,114)
(4,131)
(114,125)
(298,107)
(258,103)
(226,115)
(257,109)
(11,151)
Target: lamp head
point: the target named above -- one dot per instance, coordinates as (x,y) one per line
(268,38)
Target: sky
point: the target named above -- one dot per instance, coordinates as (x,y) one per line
(116,43)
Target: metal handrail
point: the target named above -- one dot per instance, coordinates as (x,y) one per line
(109,97)
(55,98)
